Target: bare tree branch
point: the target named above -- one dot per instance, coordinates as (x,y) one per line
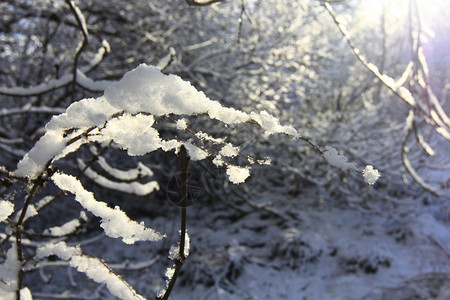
(202,3)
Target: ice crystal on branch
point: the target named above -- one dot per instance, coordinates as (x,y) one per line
(370,174)
(337,160)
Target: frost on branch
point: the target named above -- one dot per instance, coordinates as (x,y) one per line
(337,160)
(114,221)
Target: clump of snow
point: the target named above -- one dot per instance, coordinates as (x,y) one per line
(25,294)
(34,161)
(218,161)
(237,174)
(195,153)
(337,160)
(6,209)
(271,124)
(133,133)
(125,115)
(146,89)
(174,252)
(114,221)
(229,150)
(207,137)
(181,124)
(370,174)
(93,267)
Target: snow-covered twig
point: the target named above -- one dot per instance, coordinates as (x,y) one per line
(435,112)
(140,189)
(81,79)
(30,109)
(81,21)
(409,128)
(93,267)
(166,60)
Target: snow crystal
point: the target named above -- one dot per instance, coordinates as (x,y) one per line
(207,137)
(337,160)
(370,174)
(181,124)
(271,124)
(195,153)
(218,161)
(114,221)
(169,273)
(6,209)
(229,150)
(174,252)
(237,174)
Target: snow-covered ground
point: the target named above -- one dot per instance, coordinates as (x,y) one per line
(317,251)
(332,253)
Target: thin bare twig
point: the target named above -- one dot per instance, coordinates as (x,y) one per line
(202,3)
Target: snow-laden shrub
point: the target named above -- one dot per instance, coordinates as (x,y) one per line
(126,116)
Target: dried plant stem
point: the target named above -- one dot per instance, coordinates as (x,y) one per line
(184,160)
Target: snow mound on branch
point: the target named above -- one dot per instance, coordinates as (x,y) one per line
(114,222)
(93,267)
(125,115)
(6,209)
(337,160)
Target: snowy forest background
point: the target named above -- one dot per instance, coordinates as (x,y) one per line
(368,78)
